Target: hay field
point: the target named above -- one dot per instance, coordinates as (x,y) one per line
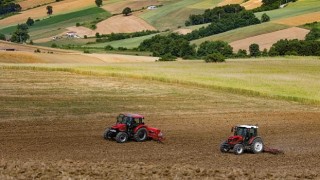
(268,39)
(117,7)
(226,2)
(251,4)
(300,19)
(41,12)
(52,124)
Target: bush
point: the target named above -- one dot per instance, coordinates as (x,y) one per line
(77,24)
(110,48)
(214,57)
(54,45)
(2,37)
(265,18)
(86,51)
(167,57)
(85,36)
(37,51)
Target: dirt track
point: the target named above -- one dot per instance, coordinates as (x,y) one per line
(51,126)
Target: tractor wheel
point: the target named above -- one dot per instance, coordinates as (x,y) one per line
(121,137)
(107,134)
(224,147)
(141,135)
(238,149)
(257,146)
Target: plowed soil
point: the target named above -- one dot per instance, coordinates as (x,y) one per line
(51,126)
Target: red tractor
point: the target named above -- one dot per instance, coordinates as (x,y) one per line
(245,138)
(131,126)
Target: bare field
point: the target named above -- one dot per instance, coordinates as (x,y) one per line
(133,4)
(26,4)
(226,2)
(267,40)
(123,24)
(52,124)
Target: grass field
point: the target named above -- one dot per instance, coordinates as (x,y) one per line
(57,24)
(293,9)
(298,81)
(242,33)
(128,43)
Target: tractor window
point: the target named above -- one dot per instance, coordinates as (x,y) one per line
(241,132)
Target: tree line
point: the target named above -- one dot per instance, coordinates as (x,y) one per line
(8,6)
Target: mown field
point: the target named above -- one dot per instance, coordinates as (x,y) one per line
(52,118)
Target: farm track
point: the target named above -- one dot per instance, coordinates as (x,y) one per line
(51,126)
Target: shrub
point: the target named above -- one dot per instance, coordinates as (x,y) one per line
(167,57)
(54,45)
(214,57)
(108,47)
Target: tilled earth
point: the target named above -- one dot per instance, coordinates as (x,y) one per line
(51,126)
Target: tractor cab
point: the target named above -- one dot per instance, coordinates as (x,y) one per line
(245,131)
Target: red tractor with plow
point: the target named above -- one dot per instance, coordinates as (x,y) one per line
(245,138)
(131,126)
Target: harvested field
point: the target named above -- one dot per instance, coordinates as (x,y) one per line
(300,20)
(183,31)
(41,12)
(52,124)
(266,40)
(123,24)
(27,4)
(117,7)
(251,4)
(226,2)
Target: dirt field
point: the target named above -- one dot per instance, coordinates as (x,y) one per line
(226,2)
(123,24)
(251,4)
(300,20)
(51,126)
(41,12)
(266,40)
(133,4)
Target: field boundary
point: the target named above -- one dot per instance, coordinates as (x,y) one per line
(239,91)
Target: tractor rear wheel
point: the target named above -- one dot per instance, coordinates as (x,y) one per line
(224,147)
(141,135)
(107,134)
(257,146)
(121,137)
(238,149)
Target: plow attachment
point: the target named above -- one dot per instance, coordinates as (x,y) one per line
(272,150)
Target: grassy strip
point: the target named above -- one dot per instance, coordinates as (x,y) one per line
(168,80)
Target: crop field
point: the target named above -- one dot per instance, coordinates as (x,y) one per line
(251,4)
(242,33)
(27,4)
(52,123)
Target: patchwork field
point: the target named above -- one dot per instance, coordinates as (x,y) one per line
(27,4)
(41,12)
(251,4)
(117,7)
(267,40)
(52,124)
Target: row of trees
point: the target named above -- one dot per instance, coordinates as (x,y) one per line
(8,6)
(119,36)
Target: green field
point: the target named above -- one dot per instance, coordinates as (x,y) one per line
(128,43)
(242,33)
(54,25)
(293,9)
(289,78)
(174,14)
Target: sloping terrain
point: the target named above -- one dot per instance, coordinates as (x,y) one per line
(52,125)
(227,2)
(267,40)
(27,4)
(117,7)
(251,4)
(300,19)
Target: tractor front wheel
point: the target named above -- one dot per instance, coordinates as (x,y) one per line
(141,135)
(238,149)
(224,147)
(257,146)
(121,137)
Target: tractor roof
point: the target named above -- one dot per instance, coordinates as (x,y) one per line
(248,126)
(134,115)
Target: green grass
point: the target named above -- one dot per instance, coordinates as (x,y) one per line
(290,78)
(128,43)
(242,33)
(56,24)
(174,14)
(293,9)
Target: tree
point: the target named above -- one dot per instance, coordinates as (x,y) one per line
(214,57)
(126,11)
(49,10)
(210,47)
(314,34)
(242,53)
(2,37)
(98,3)
(21,34)
(265,18)
(254,50)
(30,22)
